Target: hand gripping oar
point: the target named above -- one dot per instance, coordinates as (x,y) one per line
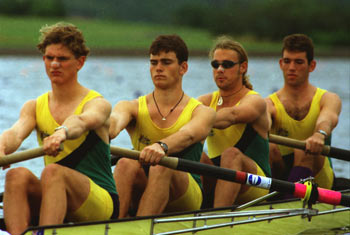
(327,150)
(296,189)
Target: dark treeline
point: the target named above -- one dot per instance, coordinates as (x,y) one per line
(326,21)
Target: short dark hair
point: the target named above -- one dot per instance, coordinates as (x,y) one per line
(299,43)
(65,33)
(170,43)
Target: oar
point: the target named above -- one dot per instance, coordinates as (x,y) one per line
(21,156)
(327,150)
(296,189)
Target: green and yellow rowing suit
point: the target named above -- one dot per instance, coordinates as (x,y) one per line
(88,154)
(146,132)
(242,136)
(285,125)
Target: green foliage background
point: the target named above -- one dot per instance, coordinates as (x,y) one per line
(253,22)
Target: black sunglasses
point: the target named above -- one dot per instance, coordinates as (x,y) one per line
(226,64)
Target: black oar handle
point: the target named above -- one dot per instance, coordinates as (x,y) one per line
(297,190)
(327,150)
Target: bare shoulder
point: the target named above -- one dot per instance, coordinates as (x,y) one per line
(29,106)
(255,99)
(204,111)
(330,99)
(205,99)
(129,106)
(99,103)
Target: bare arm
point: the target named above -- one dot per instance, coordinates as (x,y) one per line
(271,111)
(194,131)
(12,138)
(95,116)
(123,113)
(250,108)
(326,121)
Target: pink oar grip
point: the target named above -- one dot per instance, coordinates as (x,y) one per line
(329,196)
(324,195)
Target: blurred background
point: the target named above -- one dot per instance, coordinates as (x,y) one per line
(128,27)
(119,34)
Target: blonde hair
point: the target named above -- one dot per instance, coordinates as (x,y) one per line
(227,43)
(65,33)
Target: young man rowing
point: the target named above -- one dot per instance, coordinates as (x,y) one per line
(238,140)
(302,111)
(164,122)
(76,183)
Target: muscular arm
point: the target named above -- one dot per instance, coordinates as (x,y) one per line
(12,138)
(271,111)
(123,113)
(94,116)
(194,131)
(327,120)
(250,108)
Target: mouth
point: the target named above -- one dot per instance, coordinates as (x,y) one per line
(55,73)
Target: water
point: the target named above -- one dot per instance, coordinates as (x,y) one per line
(119,78)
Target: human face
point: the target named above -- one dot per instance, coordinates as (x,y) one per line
(229,78)
(296,68)
(60,63)
(165,69)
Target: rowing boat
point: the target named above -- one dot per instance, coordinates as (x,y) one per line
(331,212)
(278,217)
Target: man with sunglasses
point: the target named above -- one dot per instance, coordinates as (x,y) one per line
(163,122)
(302,111)
(238,140)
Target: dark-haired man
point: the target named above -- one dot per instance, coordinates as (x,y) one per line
(164,122)
(302,111)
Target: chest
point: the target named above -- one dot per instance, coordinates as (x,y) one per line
(297,110)
(60,112)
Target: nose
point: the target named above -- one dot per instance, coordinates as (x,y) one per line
(292,65)
(221,68)
(55,63)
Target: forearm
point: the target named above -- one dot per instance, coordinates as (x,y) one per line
(179,141)
(75,127)
(9,142)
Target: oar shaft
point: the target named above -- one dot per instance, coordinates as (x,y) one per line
(21,156)
(327,150)
(298,190)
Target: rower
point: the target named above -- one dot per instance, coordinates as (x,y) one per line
(165,121)
(238,140)
(301,111)
(76,183)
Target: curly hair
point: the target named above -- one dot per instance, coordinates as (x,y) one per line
(227,43)
(170,43)
(63,33)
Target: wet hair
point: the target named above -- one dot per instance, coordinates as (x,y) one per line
(299,43)
(170,43)
(227,43)
(63,33)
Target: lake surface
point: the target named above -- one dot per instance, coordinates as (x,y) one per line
(125,78)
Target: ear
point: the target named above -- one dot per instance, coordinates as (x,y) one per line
(312,65)
(280,62)
(81,61)
(183,68)
(244,67)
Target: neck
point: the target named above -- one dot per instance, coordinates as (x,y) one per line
(66,92)
(224,93)
(298,91)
